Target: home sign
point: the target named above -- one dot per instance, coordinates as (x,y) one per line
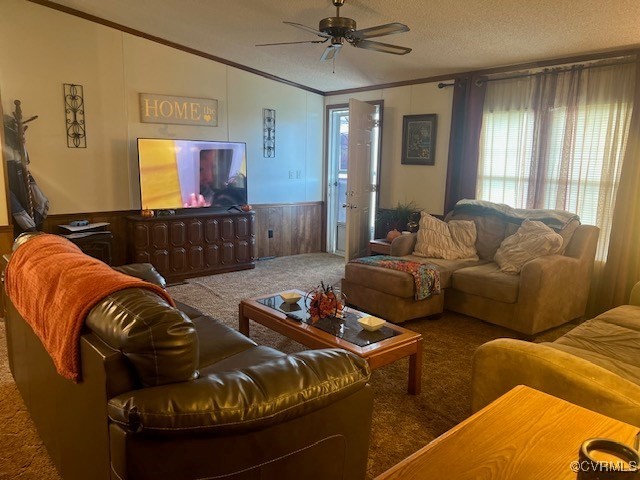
(178,110)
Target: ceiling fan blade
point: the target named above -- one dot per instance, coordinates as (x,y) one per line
(381,47)
(380,30)
(308,29)
(328,53)
(331,52)
(289,43)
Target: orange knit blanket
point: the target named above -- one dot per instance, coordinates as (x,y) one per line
(53,285)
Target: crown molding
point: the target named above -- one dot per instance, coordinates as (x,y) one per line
(618,52)
(621,51)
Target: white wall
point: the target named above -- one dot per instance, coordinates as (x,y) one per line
(298,138)
(40,49)
(404,183)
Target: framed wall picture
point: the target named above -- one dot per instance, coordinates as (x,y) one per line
(419,139)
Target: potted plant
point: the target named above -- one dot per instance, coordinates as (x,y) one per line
(390,219)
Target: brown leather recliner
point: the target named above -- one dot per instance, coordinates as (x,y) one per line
(171,393)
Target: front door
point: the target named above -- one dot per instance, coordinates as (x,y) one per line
(359,179)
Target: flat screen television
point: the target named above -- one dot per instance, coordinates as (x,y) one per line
(178,174)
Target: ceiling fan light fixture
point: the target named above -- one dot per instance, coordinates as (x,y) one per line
(331,52)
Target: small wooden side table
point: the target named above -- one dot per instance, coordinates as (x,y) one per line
(525,434)
(97,245)
(380,246)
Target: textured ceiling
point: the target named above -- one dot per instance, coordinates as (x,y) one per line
(446,36)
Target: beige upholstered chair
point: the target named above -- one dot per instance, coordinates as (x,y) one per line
(595,365)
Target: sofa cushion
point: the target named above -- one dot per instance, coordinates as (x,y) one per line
(487,281)
(451,241)
(394,282)
(245,359)
(446,267)
(490,232)
(611,340)
(397,283)
(532,240)
(217,341)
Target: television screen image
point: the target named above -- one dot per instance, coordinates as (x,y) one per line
(191,173)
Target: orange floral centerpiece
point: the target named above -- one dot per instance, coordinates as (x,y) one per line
(324,301)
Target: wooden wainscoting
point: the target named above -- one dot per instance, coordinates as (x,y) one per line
(6,239)
(117,228)
(296,228)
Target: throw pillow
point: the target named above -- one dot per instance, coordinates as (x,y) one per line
(451,241)
(567,233)
(532,240)
(489,229)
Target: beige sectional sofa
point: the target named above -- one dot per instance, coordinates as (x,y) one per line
(549,291)
(595,365)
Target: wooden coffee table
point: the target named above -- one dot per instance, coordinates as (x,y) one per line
(405,344)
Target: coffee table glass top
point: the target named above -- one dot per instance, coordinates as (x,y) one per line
(346,328)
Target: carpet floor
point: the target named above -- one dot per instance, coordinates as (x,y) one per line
(402,423)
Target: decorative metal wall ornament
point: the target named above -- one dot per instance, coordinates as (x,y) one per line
(269,138)
(74,112)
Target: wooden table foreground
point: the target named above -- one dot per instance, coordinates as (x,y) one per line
(525,434)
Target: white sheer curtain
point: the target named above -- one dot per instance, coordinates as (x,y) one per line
(557,140)
(506,142)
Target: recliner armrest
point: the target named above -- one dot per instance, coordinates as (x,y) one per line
(502,364)
(245,399)
(549,274)
(143,271)
(552,286)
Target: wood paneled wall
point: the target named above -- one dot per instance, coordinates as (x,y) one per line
(297,228)
(6,239)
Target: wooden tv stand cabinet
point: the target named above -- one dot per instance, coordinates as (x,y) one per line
(193,244)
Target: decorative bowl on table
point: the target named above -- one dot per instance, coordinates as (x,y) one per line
(371,324)
(290,297)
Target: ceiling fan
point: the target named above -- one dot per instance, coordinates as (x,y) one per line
(340,29)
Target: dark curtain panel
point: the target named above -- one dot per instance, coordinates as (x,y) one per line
(466,125)
(622,269)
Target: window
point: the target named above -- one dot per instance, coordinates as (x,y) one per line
(557,141)
(505,157)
